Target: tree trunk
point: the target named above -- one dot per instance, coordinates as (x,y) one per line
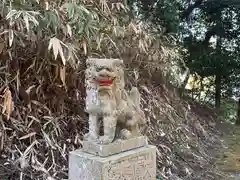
(201,89)
(193,87)
(238,113)
(218,76)
(218,90)
(184,84)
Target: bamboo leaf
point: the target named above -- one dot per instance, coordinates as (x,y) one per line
(55,44)
(8,103)
(11,37)
(84,44)
(27,136)
(25,17)
(2,45)
(69,30)
(70,10)
(11,14)
(63,75)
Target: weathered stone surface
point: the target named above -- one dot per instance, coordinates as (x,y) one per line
(115,147)
(137,164)
(109,102)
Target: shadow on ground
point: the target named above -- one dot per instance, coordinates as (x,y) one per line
(228,159)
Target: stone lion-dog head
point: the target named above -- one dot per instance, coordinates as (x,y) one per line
(105,78)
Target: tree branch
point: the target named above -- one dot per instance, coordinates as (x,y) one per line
(198,3)
(190,8)
(229,2)
(211,32)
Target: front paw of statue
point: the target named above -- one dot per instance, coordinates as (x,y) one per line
(105,140)
(85,136)
(125,134)
(131,122)
(90,137)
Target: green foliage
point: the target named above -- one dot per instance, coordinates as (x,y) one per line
(165,14)
(209,31)
(218,21)
(160,178)
(228,110)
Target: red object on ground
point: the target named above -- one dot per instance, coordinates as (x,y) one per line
(105,82)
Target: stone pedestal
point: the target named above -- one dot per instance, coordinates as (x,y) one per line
(115,147)
(135,164)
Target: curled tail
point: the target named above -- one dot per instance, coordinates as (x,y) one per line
(134,95)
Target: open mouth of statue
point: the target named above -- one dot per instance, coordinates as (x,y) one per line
(105,82)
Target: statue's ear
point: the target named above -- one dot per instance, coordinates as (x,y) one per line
(90,61)
(118,62)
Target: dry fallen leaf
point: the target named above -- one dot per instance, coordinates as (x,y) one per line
(69,30)
(27,136)
(2,45)
(8,103)
(56,45)
(11,37)
(63,75)
(84,44)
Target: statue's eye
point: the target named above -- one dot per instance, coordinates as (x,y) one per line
(99,68)
(109,69)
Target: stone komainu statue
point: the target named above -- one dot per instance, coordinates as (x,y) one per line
(107,100)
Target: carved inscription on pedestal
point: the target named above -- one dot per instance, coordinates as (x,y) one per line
(141,167)
(137,164)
